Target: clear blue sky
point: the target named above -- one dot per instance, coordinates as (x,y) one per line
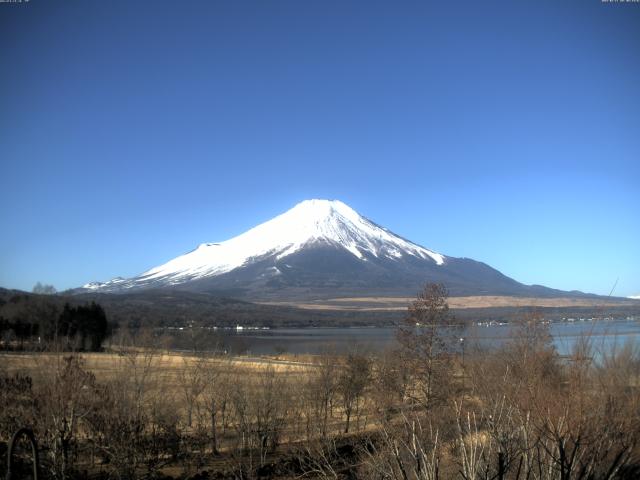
(508,132)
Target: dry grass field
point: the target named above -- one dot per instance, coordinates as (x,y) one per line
(400,303)
(256,404)
(166,365)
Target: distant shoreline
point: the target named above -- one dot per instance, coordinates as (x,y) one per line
(477,301)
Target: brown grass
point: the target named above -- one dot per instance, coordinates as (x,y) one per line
(169,364)
(400,303)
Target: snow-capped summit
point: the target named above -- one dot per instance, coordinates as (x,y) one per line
(317,248)
(309,223)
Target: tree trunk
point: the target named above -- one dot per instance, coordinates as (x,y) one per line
(214,436)
(348,413)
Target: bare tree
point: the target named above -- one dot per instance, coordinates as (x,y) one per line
(427,338)
(320,390)
(65,397)
(215,395)
(261,408)
(135,424)
(353,378)
(407,449)
(44,289)
(192,381)
(391,381)
(18,406)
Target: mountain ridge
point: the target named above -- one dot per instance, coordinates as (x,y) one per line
(320,248)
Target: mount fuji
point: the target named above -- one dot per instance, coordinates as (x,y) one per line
(320,249)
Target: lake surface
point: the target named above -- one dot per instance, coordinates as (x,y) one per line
(603,334)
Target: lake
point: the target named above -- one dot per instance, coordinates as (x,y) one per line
(604,335)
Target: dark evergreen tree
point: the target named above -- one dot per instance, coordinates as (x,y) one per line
(85,325)
(95,327)
(67,326)
(4,326)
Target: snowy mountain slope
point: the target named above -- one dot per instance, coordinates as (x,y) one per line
(311,222)
(319,248)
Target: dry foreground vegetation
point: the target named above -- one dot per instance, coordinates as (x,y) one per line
(427,410)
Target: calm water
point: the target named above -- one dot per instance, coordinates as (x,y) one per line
(604,335)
